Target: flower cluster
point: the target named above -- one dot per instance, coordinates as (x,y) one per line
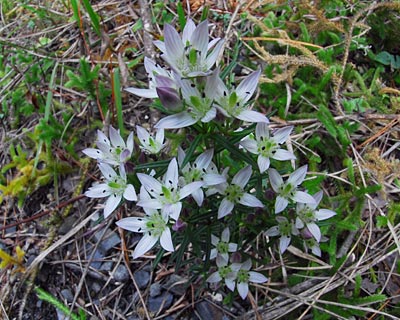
(214,174)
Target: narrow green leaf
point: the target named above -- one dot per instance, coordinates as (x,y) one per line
(191,149)
(204,14)
(93,17)
(326,118)
(181,15)
(75,10)
(118,100)
(236,154)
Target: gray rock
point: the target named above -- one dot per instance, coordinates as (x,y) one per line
(142,278)
(163,301)
(207,310)
(121,274)
(106,266)
(97,258)
(67,225)
(155,289)
(176,285)
(95,287)
(109,241)
(67,294)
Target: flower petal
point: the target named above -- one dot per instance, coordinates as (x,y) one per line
(108,172)
(133,224)
(189,189)
(149,203)
(323,214)
(243,289)
(284,242)
(252,116)
(144,245)
(262,131)
(250,201)
(144,93)
(166,240)
(225,208)
(282,134)
(247,87)
(263,163)
(98,191)
(198,196)
(275,179)
(297,177)
(176,121)
(111,204)
(152,185)
(172,209)
(314,230)
(173,43)
(250,145)
(130,193)
(212,179)
(283,155)
(303,197)
(257,277)
(280,204)
(93,153)
(142,135)
(204,159)
(272,232)
(116,139)
(199,38)
(225,235)
(211,114)
(213,55)
(171,176)
(242,177)
(214,277)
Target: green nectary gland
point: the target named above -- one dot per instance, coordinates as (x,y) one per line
(243,276)
(156,225)
(285,228)
(233,193)
(306,215)
(287,191)
(267,147)
(192,175)
(170,195)
(224,271)
(222,247)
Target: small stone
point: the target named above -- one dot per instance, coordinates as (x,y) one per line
(176,284)
(142,278)
(67,294)
(106,266)
(109,241)
(67,225)
(97,258)
(163,301)
(96,287)
(121,274)
(207,310)
(155,289)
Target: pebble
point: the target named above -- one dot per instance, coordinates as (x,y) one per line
(142,278)
(121,274)
(164,300)
(155,289)
(207,310)
(176,285)
(67,294)
(106,266)
(108,242)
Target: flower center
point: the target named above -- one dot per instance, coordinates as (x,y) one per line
(307,215)
(233,193)
(224,271)
(156,225)
(170,195)
(285,228)
(222,247)
(266,147)
(287,190)
(192,175)
(243,276)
